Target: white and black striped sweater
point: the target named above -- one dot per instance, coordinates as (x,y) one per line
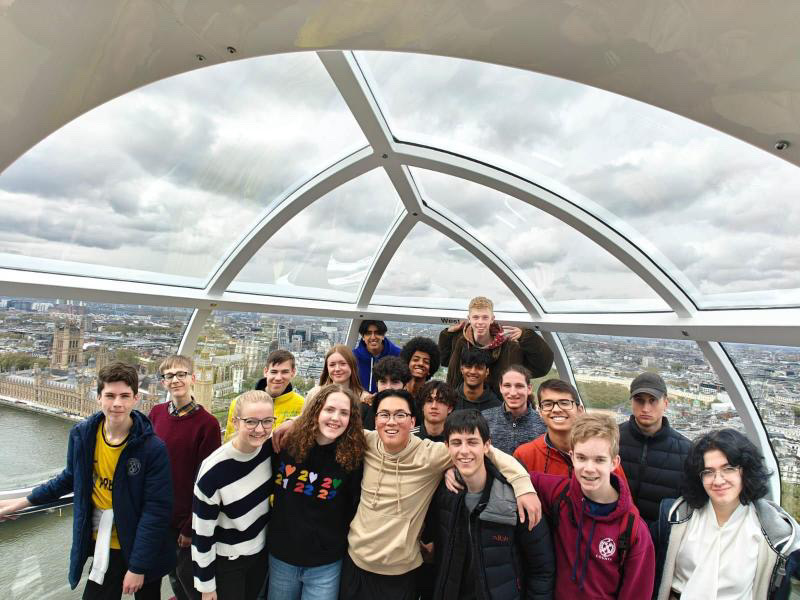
(230,509)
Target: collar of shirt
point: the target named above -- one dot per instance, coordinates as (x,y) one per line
(184,410)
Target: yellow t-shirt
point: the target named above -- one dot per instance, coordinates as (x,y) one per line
(105,462)
(286,406)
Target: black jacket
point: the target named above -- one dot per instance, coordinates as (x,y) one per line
(653,465)
(510,561)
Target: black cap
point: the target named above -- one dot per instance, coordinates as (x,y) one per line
(649,383)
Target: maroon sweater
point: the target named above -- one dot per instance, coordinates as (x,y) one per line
(189,439)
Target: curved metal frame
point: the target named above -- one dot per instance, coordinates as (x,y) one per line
(685,322)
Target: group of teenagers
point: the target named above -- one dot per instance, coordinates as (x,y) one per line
(384,483)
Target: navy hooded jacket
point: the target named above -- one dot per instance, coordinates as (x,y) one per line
(366,362)
(141,498)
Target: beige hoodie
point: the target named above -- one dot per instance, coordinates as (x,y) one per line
(395,493)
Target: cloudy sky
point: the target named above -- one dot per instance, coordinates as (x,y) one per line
(166,179)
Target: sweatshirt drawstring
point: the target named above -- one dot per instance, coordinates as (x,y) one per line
(586,555)
(574,575)
(380,479)
(397,484)
(546,460)
(378,485)
(371,367)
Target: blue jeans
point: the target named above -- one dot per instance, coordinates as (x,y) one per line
(288,582)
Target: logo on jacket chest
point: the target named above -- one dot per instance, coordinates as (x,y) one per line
(133,466)
(607,547)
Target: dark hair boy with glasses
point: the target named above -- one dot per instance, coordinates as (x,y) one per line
(559,406)
(191,433)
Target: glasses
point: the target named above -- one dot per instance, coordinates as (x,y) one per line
(563,404)
(385,417)
(180,376)
(726,472)
(252,424)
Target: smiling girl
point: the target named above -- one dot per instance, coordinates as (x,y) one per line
(340,367)
(317,489)
(230,509)
(724,539)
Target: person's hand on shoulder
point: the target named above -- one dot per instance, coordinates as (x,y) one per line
(279,434)
(451,481)
(512,333)
(529,505)
(457,326)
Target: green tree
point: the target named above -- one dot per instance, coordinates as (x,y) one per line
(127,356)
(598,394)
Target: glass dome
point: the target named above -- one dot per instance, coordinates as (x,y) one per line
(280,200)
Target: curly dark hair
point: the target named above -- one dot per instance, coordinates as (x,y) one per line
(740,452)
(393,367)
(426,345)
(444,393)
(350,446)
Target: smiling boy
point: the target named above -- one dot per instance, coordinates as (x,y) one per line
(120,515)
(190,433)
(482,550)
(504,345)
(603,547)
(277,382)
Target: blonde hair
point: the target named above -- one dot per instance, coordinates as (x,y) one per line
(595,425)
(480,303)
(177,361)
(251,397)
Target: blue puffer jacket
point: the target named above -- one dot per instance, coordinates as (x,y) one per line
(366,362)
(141,496)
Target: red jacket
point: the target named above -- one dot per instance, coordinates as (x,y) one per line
(587,565)
(541,456)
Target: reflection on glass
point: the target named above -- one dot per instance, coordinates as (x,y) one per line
(50,351)
(771,376)
(565,270)
(722,213)
(232,351)
(431,270)
(605,365)
(140,187)
(326,250)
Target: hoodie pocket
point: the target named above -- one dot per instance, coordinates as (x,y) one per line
(388,542)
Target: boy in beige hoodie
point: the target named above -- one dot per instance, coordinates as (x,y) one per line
(401,473)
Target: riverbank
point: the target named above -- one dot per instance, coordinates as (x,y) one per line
(35,408)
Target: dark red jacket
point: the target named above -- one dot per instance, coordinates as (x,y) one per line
(587,562)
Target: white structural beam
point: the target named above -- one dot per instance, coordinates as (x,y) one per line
(341,172)
(397,233)
(489,258)
(192,331)
(346,74)
(764,326)
(739,395)
(561,208)
(560,357)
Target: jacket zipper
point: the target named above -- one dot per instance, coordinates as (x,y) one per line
(642,467)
